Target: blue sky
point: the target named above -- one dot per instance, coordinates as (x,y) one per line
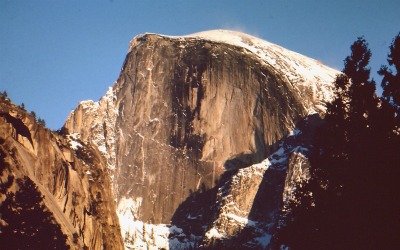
(56,53)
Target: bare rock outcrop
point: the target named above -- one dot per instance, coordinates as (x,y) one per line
(244,210)
(71,176)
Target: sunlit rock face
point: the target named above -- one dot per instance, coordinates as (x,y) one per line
(186,110)
(70,174)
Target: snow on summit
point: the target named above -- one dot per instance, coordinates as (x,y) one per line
(266,50)
(300,70)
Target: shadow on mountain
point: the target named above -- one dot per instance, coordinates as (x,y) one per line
(28,222)
(198,212)
(268,201)
(240,161)
(20,128)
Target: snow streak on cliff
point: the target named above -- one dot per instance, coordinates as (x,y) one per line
(94,122)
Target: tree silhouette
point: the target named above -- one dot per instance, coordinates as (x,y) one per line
(349,201)
(391,78)
(33,113)
(41,122)
(4,166)
(30,225)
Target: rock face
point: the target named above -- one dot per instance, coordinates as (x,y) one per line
(244,210)
(189,115)
(95,122)
(70,174)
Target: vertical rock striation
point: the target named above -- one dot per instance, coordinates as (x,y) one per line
(71,175)
(185,110)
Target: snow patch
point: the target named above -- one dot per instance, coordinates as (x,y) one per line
(213,233)
(242,220)
(140,235)
(264,240)
(73,140)
(100,128)
(295,132)
(128,207)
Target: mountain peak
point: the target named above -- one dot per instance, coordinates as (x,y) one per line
(301,71)
(193,145)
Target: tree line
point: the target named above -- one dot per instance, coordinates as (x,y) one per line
(4,98)
(352,199)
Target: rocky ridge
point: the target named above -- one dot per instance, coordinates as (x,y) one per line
(186,120)
(69,173)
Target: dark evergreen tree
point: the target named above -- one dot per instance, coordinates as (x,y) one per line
(363,103)
(391,78)
(4,168)
(33,113)
(348,202)
(313,220)
(41,122)
(389,122)
(29,223)
(3,95)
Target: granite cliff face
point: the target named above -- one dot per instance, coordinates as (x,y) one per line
(69,173)
(196,136)
(198,144)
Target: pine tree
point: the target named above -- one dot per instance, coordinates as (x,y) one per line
(4,166)
(3,95)
(33,113)
(391,78)
(41,122)
(363,101)
(389,122)
(313,219)
(344,143)
(347,203)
